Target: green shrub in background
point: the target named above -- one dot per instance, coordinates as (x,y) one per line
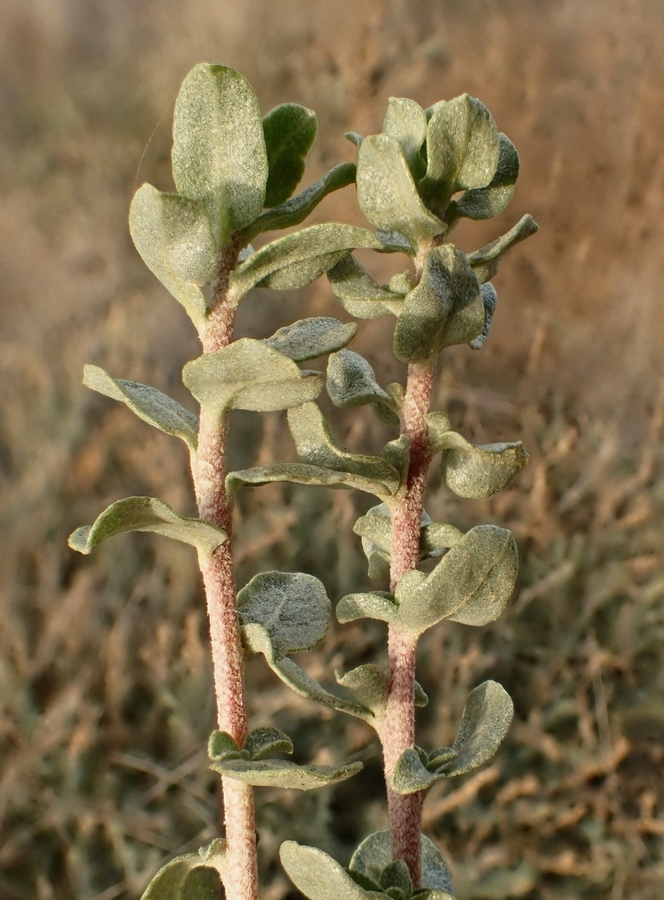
(235,174)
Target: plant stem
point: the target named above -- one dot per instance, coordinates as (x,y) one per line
(398,731)
(214,505)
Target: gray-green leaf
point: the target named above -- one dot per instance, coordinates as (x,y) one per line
(368,605)
(311,338)
(374,855)
(477,471)
(359,293)
(318,876)
(486,202)
(490,299)
(193,876)
(486,719)
(219,155)
(293,608)
(248,374)
(283,773)
(148,403)
(301,473)
(289,130)
(351,382)
(486,260)
(406,122)
(146,514)
(262,741)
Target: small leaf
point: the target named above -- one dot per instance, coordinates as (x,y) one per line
(374,855)
(289,130)
(369,683)
(490,299)
(387,195)
(351,382)
(354,137)
(148,403)
(146,514)
(193,876)
(375,529)
(318,876)
(478,471)
(445,308)
(486,719)
(440,757)
(310,338)
(439,425)
(396,881)
(262,741)
(296,210)
(411,776)
(222,745)
(173,236)
(248,374)
(283,773)
(471,584)
(295,260)
(360,295)
(406,122)
(219,155)
(316,446)
(485,262)
(486,202)
(293,608)
(436,537)
(368,605)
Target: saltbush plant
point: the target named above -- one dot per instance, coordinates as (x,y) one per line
(235,173)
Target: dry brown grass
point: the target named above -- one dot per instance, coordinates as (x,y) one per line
(104,672)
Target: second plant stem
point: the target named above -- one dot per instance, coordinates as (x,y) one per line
(398,731)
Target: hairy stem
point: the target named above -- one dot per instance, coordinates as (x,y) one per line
(398,732)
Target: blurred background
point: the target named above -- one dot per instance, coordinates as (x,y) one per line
(105,690)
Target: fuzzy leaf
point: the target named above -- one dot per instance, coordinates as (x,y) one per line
(262,741)
(351,382)
(316,446)
(295,260)
(445,308)
(148,403)
(248,374)
(374,855)
(370,684)
(359,293)
(293,608)
(146,514)
(375,529)
(485,262)
(387,195)
(490,299)
(283,773)
(437,536)
(301,473)
(368,605)
(289,130)
(406,122)
(221,744)
(219,155)
(411,776)
(310,338)
(486,719)
(318,876)
(478,471)
(193,876)
(471,584)
(486,202)
(439,425)
(296,210)
(174,238)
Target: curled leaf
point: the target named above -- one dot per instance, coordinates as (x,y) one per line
(485,262)
(406,122)
(262,741)
(368,605)
(310,338)
(374,856)
(477,471)
(486,202)
(193,876)
(490,299)
(289,130)
(351,382)
(486,719)
(359,293)
(283,773)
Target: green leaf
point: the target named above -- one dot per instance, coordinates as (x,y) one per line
(485,262)
(445,308)
(222,745)
(370,685)
(486,202)
(360,295)
(301,473)
(485,721)
(471,584)
(219,155)
(462,150)
(248,374)
(411,776)
(296,210)
(351,382)
(295,260)
(436,537)
(310,338)
(490,299)
(293,608)
(406,122)
(289,131)
(374,856)
(375,529)
(193,876)
(174,238)
(396,875)
(368,605)
(148,403)
(438,425)
(387,195)
(262,741)
(146,514)
(316,446)
(283,773)
(477,471)
(318,876)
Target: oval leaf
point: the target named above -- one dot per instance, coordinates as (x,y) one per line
(293,608)
(219,155)
(317,875)
(351,381)
(485,262)
(479,471)
(248,374)
(368,605)
(406,122)
(289,131)
(374,855)
(486,719)
(283,773)
(193,876)
(486,202)
(411,776)
(301,473)
(311,338)
(262,741)
(146,514)
(148,403)
(359,293)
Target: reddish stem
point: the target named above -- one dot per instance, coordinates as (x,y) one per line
(398,731)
